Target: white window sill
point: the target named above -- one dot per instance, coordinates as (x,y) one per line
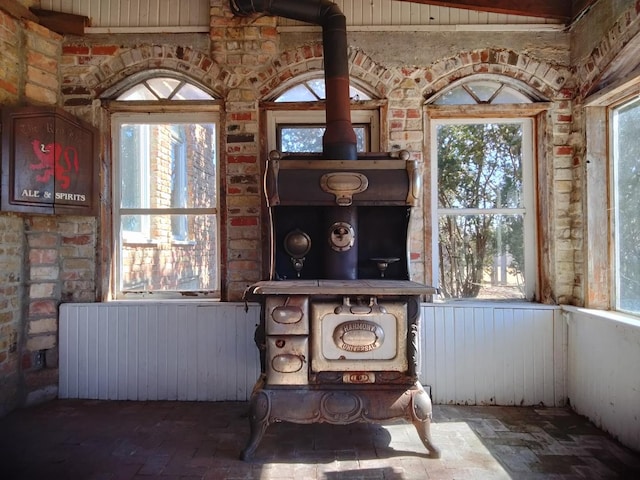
(611,315)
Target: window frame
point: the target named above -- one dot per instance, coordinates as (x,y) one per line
(290,117)
(527,210)
(600,279)
(150,113)
(613,201)
(143,173)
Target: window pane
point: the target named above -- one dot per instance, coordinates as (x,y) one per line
(164,264)
(313,90)
(191,92)
(317,87)
(484,90)
(457,96)
(480,165)
(134,166)
(509,95)
(627,199)
(357,94)
(162,164)
(139,92)
(301,139)
(299,93)
(163,87)
(481,256)
(308,139)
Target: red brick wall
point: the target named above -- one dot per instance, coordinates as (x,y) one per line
(43,260)
(47,260)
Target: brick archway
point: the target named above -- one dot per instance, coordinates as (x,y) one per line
(90,71)
(307,59)
(548,80)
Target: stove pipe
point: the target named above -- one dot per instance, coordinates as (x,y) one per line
(339,141)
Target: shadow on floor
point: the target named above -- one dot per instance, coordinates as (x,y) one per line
(80,439)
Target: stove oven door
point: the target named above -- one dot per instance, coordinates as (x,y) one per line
(359,338)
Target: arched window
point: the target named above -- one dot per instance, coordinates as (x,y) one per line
(164,88)
(165,188)
(296,117)
(313,90)
(482,150)
(484,90)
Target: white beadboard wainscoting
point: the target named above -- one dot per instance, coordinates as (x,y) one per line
(471,354)
(494,354)
(603,371)
(158,351)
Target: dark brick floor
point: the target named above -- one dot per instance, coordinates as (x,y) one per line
(174,440)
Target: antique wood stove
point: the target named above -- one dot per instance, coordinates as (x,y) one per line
(338,335)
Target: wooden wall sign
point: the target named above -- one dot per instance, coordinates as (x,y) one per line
(49,162)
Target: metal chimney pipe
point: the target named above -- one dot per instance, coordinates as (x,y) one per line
(339,141)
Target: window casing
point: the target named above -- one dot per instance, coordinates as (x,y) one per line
(165,191)
(296,118)
(485,245)
(484,240)
(301,131)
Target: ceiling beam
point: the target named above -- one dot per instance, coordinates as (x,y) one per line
(558,9)
(62,23)
(17,10)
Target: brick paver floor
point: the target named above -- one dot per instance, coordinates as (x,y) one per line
(80,439)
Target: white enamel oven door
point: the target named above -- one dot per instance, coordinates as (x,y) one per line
(343,341)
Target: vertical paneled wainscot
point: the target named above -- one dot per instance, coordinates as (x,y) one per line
(158,351)
(474,354)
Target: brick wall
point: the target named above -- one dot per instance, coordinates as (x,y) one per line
(245,64)
(10,44)
(48,260)
(44,260)
(60,266)
(11,293)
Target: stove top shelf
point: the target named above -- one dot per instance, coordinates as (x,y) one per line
(340,287)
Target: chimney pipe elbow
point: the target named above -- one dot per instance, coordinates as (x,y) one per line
(318,12)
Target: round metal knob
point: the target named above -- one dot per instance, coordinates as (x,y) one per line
(297,244)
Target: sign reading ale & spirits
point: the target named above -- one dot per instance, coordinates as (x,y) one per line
(49,162)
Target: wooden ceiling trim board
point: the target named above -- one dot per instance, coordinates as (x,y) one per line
(558,9)
(17,10)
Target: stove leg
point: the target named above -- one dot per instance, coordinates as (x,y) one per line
(421,411)
(259,411)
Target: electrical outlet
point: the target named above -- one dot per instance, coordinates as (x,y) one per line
(39,359)
(13,341)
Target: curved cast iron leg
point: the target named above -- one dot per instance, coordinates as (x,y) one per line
(258,422)
(421,418)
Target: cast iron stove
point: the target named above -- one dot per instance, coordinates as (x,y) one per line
(338,334)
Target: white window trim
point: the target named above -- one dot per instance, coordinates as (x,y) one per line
(614,218)
(600,290)
(117,120)
(276,117)
(528,210)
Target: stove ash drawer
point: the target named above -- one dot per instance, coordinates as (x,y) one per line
(287,362)
(287,315)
